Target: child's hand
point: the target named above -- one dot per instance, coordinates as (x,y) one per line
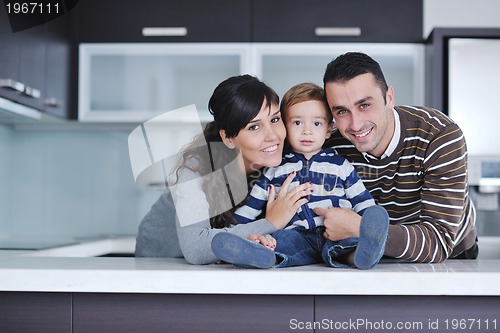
(280,210)
(266,240)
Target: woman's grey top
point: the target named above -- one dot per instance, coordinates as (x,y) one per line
(161,235)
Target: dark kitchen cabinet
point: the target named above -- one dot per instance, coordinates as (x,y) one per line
(22,63)
(35,312)
(61,67)
(123,313)
(253,20)
(32,66)
(191,20)
(337,21)
(36,64)
(409,313)
(63,312)
(10,63)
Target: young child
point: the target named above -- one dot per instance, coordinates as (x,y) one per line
(335,183)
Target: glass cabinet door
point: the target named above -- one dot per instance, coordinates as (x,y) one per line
(286,64)
(135,82)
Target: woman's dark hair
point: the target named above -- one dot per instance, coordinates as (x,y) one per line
(237,100)
(349,65)
(234,103)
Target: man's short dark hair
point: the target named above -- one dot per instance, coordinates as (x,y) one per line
(349,65)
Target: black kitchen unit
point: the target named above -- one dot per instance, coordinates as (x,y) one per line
(37,65)
(22,63)
(251,21)
(337,21)
(165,21)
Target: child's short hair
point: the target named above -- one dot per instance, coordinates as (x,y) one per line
(304,92)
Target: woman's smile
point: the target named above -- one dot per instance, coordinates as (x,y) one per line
(271,149)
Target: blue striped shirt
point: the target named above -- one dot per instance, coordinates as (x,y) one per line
(335,183)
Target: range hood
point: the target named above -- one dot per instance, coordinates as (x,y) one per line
(11,112)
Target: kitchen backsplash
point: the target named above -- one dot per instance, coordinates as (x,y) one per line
(67,183)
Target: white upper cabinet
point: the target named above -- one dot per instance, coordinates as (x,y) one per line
(134,82)
(155,56)
(283,65)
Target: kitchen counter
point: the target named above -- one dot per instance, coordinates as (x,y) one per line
(146,275)
(50,271)
(75,289)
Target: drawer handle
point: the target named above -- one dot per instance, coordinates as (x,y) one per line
(32,92)
(332,31)
(12,84)
(164,32)
(52,102)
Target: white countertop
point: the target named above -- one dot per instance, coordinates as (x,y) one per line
(48,271)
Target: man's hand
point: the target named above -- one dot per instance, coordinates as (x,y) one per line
(340,223)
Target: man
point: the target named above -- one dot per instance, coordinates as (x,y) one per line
(413,160)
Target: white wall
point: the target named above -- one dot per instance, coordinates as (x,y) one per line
(460,13)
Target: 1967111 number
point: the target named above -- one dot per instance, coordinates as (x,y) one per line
(32,8)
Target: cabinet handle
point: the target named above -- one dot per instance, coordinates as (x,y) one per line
(337,31)
(164,32)
(12,84)
(52,102)
(32,92)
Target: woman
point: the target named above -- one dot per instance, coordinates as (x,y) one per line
(247,120)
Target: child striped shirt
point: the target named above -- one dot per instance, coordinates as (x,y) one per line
(335,183)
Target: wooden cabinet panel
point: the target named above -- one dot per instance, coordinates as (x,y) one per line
(35,312)
(204,21)
(124,313)
(376,21)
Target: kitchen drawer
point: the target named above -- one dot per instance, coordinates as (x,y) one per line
(335,20)
(107,313)
(35,312)
(192,20)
